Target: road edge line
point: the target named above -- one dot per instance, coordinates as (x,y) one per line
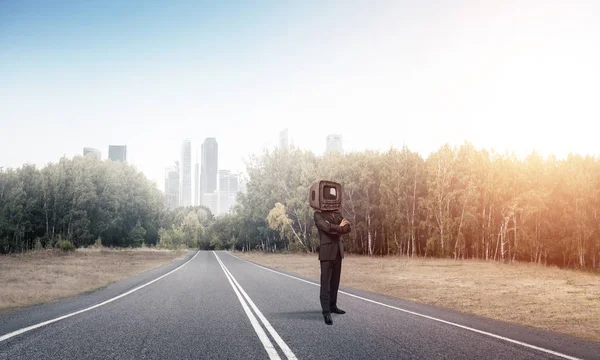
(534,347)
(48,322)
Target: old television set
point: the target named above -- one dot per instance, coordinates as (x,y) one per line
(325,195)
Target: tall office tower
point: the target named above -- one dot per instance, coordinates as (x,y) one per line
(211,201)
(117,153)
(334,143)
(223,191)
(228,189)
(172,187)
(185,176)
(208,167)
(197,182)
(284,139)
(92,152)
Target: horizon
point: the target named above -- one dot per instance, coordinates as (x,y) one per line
(513,79)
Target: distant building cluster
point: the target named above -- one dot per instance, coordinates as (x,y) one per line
(283,139)
(92,152)
(115,153)
(333,142)
(213,188)
(228,190)
(209,186)
(172,186)
(185,180)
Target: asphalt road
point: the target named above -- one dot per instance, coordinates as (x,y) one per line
(212,305)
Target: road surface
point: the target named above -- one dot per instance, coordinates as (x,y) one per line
(213,305)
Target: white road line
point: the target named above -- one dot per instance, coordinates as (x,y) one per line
(32,327)
(547,351)
(264,339)
(286,350)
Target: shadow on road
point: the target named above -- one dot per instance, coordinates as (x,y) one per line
(314,315)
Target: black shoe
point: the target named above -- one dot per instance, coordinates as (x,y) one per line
(337,310)
(327,318)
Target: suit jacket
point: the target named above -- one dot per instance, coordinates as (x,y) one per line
(330,234)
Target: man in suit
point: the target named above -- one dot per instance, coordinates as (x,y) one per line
(331,226)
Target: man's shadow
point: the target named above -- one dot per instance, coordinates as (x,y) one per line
(308,315)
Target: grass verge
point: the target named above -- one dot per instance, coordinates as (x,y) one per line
(565,301)
(46,275)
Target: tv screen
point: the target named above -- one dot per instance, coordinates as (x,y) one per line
(329,193)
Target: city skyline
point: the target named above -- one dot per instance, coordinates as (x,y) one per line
(209,165)
(185,174)
(219,195)
(117,153)
(197,197)
(92,152)
(284,139)
(228,188)
(171,191)
(333,143)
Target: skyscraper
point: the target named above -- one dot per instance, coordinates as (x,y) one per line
(117,153)
(172,187)
(334,143)
(283,139)
(92,152)
(223,191)
(233,190)
(185,174)
(208,167)
(211,201)
(228,188)
(197,182)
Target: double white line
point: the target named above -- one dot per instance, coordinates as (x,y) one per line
(264,339)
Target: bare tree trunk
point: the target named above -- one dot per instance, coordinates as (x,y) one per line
(387,242)
(502,242)
(595,247)
(580,236)
(456,243)
(412,218)
(296,235)
(370,240)
(440,215)
(515,234)
(353,213)
(507,241)
(362,241)
(489,238)
(497,246)
(482,256)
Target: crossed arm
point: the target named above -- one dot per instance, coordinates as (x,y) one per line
(329,228)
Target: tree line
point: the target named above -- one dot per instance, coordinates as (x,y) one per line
(459,202)
(86,201)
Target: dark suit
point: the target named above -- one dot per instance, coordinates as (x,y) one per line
(331,253)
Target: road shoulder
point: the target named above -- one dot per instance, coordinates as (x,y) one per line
(581,348)
(15,319)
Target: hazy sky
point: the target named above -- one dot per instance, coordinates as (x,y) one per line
(514,75)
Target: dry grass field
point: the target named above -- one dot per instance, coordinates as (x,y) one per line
(46,275)
(565,301)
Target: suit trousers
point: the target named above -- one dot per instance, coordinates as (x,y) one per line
(330,283)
